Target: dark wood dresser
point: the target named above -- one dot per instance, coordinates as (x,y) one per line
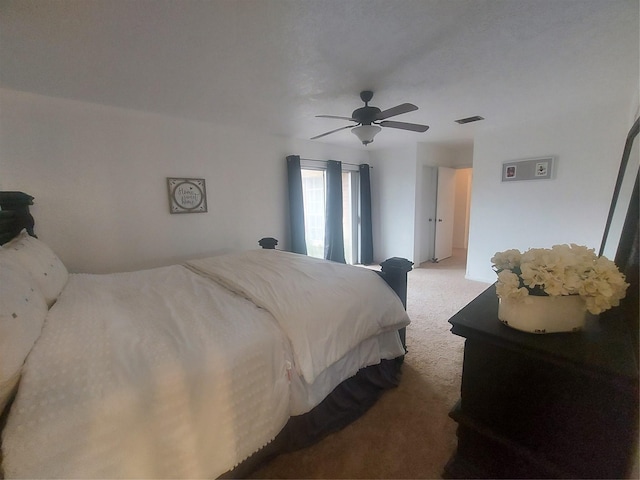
(543,406)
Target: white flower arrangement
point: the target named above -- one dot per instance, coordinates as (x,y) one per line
(560,270)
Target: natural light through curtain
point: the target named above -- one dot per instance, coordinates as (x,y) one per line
(347,217)
(313,191)
(313,197)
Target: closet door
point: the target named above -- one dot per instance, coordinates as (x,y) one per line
(445,207)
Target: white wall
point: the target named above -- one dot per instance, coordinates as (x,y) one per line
(98,175)
(461,156)
(404,195)
(394,200)
(570,208)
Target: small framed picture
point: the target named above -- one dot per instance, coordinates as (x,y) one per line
(540,168)
(187,195)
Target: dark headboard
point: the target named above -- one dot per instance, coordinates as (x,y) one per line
(14,215)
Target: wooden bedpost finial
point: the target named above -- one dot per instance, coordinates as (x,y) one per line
(15,215)
(268,243)
(394,271)
(13,200)
(397,263)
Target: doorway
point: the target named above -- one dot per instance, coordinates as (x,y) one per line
(446,202)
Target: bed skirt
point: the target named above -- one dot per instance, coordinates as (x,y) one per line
(347,402)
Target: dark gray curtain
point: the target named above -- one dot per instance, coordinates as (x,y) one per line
(296,205)
(366,228)
(333,235)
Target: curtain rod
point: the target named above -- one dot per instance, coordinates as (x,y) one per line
(325,161)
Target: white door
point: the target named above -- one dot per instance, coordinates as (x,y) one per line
(445,207)
(427,213)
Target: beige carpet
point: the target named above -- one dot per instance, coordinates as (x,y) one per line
(408,433)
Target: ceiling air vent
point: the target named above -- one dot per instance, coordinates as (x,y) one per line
(475,118)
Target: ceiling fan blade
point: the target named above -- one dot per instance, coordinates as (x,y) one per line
(397,110)
(332,131)
(414,127)
(339,118)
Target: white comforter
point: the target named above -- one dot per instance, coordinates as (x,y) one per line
(325,308)
(165,373)
(158,373)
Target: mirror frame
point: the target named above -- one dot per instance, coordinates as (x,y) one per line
(627,256)
(617,209)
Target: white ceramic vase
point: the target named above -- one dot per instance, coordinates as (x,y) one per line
(538,314)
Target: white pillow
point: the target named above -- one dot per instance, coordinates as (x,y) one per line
(22,313)
(39,260)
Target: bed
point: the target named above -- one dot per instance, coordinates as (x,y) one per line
(201,370)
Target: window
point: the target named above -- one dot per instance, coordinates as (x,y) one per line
(313,197)
(313,192)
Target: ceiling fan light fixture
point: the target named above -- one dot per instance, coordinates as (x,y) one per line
(370,120)
(366,133)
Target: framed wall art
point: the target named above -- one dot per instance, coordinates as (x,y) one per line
(528,169)
(187,195)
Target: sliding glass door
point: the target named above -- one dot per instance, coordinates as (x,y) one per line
(314,195)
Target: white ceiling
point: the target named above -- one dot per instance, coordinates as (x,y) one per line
(272,65)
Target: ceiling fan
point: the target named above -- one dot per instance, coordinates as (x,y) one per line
(370,119)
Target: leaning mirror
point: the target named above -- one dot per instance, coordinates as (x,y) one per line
(622,194)
(621,240)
